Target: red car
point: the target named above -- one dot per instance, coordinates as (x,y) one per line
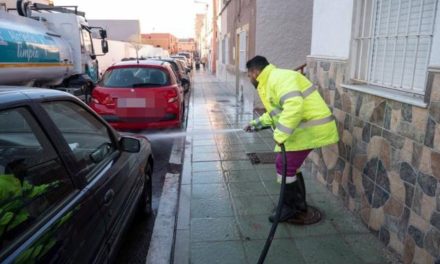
(137,95)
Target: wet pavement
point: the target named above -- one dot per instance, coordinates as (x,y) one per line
(225,199)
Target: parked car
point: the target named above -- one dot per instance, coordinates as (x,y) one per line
(181,74)
(139,95)
(184,59)
(69,183)
(189,56)
(184,66)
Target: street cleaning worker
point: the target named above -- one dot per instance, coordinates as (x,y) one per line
(301,121)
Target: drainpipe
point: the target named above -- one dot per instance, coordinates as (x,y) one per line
(237,65)
(214,37)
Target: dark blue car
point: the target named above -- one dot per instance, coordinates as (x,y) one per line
(69,183)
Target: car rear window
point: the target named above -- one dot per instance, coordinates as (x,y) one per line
(185,54)
(134,77)
(174,66)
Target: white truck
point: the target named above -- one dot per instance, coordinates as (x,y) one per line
(48,46)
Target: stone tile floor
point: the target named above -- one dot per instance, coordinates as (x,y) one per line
(225,200)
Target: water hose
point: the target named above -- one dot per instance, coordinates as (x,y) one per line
(278,211)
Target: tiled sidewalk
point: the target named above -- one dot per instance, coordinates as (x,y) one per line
(225,200)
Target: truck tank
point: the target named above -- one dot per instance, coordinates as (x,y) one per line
(31,54)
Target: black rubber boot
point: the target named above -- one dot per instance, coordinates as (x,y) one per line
(300,197)
(289,209)
(294,201)
(301,204)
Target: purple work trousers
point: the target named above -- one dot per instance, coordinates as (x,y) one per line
(294,161)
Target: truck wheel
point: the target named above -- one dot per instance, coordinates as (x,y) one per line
(23,7)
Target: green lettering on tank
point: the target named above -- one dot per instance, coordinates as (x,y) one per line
(25,47)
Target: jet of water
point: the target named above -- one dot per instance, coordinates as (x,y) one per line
(165,135)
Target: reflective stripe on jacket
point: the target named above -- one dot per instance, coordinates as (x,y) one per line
(294,108)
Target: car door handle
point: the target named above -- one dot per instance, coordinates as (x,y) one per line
(108,197)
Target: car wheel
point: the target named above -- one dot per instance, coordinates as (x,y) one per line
(182,118)
(145,204)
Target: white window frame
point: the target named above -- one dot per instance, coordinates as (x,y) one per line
(227,53)
(224,50)
(243,49)
(364,42)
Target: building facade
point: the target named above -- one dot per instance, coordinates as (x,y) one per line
(199,25)
(206,35)
(377,64)
(166,41)
(188,45)
(284,31)
(279,30)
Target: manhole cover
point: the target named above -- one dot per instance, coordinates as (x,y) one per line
(262,157)
(223,101)
(312,216)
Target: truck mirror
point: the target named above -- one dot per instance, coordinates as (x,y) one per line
(104,46)
(103,33)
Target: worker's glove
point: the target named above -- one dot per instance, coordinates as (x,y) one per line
(253,127)
(249,128)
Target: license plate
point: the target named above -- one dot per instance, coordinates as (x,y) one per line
(132,102)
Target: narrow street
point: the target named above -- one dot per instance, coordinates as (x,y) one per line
(225,198)
(134,247)
(229,132)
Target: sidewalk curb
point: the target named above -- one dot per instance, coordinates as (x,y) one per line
(162,239)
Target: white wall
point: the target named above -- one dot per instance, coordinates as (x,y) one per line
(283,31)
(332,27)
(119,50)
(222,72)
(122,30)
(435,50)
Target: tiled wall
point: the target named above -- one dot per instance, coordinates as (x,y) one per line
(386,166)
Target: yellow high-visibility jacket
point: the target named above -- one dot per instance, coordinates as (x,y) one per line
(294,108)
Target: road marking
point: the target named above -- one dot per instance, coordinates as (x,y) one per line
(162,239)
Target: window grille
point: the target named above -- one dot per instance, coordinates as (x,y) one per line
(393,43)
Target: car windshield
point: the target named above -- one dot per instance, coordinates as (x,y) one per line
(134,77)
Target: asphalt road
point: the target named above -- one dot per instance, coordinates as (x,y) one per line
(136,241)
(134,247)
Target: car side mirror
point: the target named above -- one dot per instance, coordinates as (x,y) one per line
(104,46)
(129,144)
(103,33)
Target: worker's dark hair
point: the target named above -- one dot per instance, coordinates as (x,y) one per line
(257,62)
